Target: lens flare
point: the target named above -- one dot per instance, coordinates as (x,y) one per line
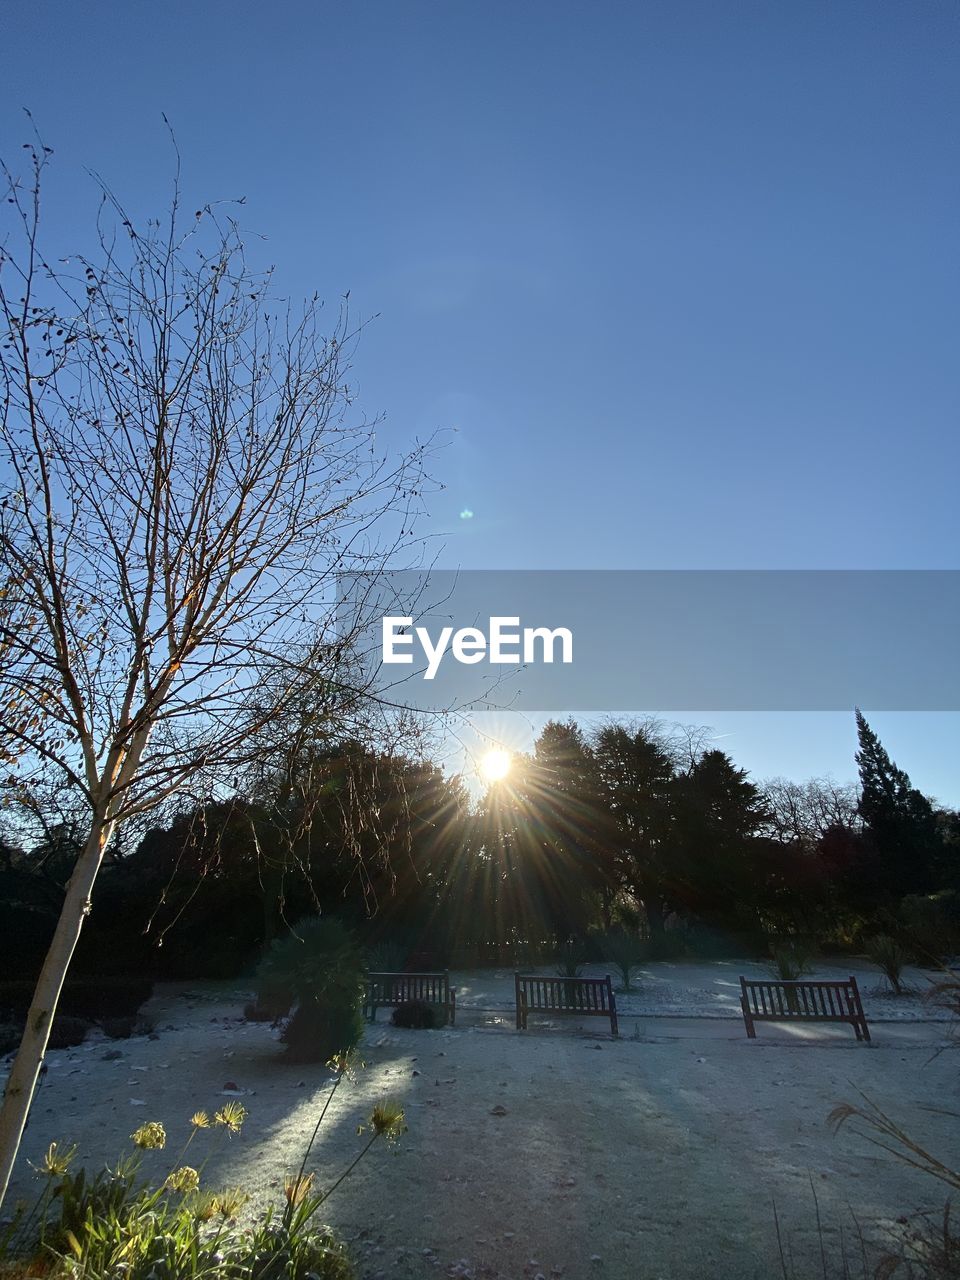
(495,765)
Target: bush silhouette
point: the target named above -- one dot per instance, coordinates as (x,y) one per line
(320,969)
(419,1015)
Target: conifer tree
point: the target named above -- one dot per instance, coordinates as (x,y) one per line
(903,843)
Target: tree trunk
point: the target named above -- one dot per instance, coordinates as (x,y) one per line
(22,1083)
(655,918)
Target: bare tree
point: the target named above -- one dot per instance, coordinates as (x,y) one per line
(181,482)
(802,812)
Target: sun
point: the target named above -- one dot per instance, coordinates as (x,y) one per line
(495,765)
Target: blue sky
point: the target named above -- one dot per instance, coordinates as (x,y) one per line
(682,276)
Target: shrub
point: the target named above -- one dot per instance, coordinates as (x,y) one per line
(318,955)
(118,1028)
(319,1030)
(625,951)
(932,924)
(67,1032)
(387,957)
(419,1015)
(791,958)
(570,959)
(890,957)
(92,998)
(123,1028)
(320,967)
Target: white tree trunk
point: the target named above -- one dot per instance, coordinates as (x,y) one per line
(22,1083)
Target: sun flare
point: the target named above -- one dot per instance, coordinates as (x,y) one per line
(495,765)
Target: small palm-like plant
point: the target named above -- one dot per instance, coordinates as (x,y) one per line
(625,951)
(387,957)
(791,959)
(890,957)
(569,958)
(320,968)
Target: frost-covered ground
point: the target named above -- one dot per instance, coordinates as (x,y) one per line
(558,1151)
(690,988)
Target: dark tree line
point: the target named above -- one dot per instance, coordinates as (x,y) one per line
(623,826)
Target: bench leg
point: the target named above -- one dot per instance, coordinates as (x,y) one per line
(612,1003)
(863,1031)
(747,1020)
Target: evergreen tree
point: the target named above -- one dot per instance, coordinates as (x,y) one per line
(636,776)
(572,823)
(719,864)
(904,847)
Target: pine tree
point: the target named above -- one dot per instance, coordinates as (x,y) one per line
(718,814)
(903,842)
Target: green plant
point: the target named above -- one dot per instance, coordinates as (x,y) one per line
(890,957)
(791,958)
(320,967)
(419,1015)
(118,1028)
(116,1225)
(932,924)
(321,1027)
(387,957)
(625,951)
(123,1028)
(570,959)
(319,954)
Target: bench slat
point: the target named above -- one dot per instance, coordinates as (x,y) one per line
(588,996)
(813,1001)
(392,989)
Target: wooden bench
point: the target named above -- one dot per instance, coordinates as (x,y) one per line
(392,989)
(588,997)
(803,1001)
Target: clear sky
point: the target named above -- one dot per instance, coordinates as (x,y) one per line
(683,276)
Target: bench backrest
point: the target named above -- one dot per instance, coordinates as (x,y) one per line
(396,988)
(802,999)
(579,995)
